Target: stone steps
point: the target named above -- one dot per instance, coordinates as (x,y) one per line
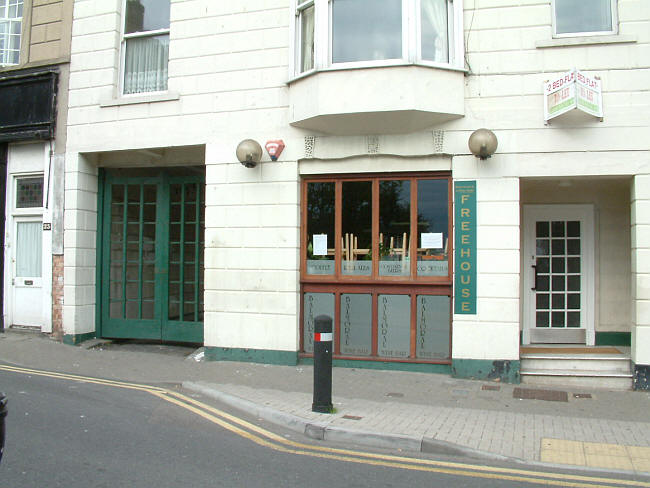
(591,370)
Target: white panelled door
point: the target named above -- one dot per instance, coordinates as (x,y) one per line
(558,274)
(27,276)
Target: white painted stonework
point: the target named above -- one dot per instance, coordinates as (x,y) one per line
(229,65)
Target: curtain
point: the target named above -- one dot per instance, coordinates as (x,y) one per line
(29,249)
(145,65)
(307,39)
(435,37)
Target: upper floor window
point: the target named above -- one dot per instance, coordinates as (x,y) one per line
(145,46)
(584,18)
(11,17)
(375,32)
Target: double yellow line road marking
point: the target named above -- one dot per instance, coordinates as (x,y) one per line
(276,442)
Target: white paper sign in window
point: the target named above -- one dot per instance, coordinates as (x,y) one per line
(320,244)
(431,240)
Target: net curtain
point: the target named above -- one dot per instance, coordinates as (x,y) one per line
(145,64)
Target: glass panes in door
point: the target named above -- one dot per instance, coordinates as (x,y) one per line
(558,274)
(186,231)
(29,242)
(132,251)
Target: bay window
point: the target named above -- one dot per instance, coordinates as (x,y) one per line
(578,17)
(375,258)
(337,33)
(11,17)
(145,46)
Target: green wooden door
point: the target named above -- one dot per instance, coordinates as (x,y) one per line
(152,258)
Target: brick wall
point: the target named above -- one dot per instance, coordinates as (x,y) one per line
(57,296)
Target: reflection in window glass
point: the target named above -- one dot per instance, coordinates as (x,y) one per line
(146,15)
(394,227)
(366,30)
(435,38)
(356,234)
(433,227)
(578,16)
(320,228)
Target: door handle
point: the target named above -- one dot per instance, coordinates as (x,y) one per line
(534,288)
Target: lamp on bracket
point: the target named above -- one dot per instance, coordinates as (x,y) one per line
(483,143)
(249,153)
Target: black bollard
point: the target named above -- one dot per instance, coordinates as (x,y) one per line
(322,365)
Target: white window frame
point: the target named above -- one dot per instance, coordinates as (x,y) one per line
(136,35)
(613,31)
(301,6)
(411,34)
(4,15)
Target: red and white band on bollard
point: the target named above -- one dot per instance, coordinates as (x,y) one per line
(322,365)
(323,337)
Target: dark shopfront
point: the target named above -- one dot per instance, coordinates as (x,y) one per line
(376,256)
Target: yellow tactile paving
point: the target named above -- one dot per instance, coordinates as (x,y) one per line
(638,452)
(641,465)
(599,449)
(595,454)
(609,462)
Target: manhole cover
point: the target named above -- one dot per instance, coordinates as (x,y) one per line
(547,395)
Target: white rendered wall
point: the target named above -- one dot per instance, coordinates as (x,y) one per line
(641,269)
(493,333)
(251,253)
(228,69)
(80,234)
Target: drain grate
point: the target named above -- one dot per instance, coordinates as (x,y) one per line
(395,395)
(491,387)
(547,395)
(582,395)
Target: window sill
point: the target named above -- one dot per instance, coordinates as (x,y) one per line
(372,65)
(584,41)
(141,98)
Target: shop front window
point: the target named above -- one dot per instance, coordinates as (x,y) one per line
(375,259)
(356,235)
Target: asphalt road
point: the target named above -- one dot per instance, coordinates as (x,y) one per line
(67,433)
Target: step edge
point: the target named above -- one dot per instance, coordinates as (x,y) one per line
(579,358)
(577,373)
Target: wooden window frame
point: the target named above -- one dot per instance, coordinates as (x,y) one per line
(375,285)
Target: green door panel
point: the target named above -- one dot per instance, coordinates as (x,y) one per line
(152,257)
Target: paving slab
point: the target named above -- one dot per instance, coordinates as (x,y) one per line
(389,409)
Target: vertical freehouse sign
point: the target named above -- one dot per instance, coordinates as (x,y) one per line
(465,224)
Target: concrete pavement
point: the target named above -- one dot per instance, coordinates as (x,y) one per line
(598,429)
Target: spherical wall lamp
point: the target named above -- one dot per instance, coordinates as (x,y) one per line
(249,153)
(483,143)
